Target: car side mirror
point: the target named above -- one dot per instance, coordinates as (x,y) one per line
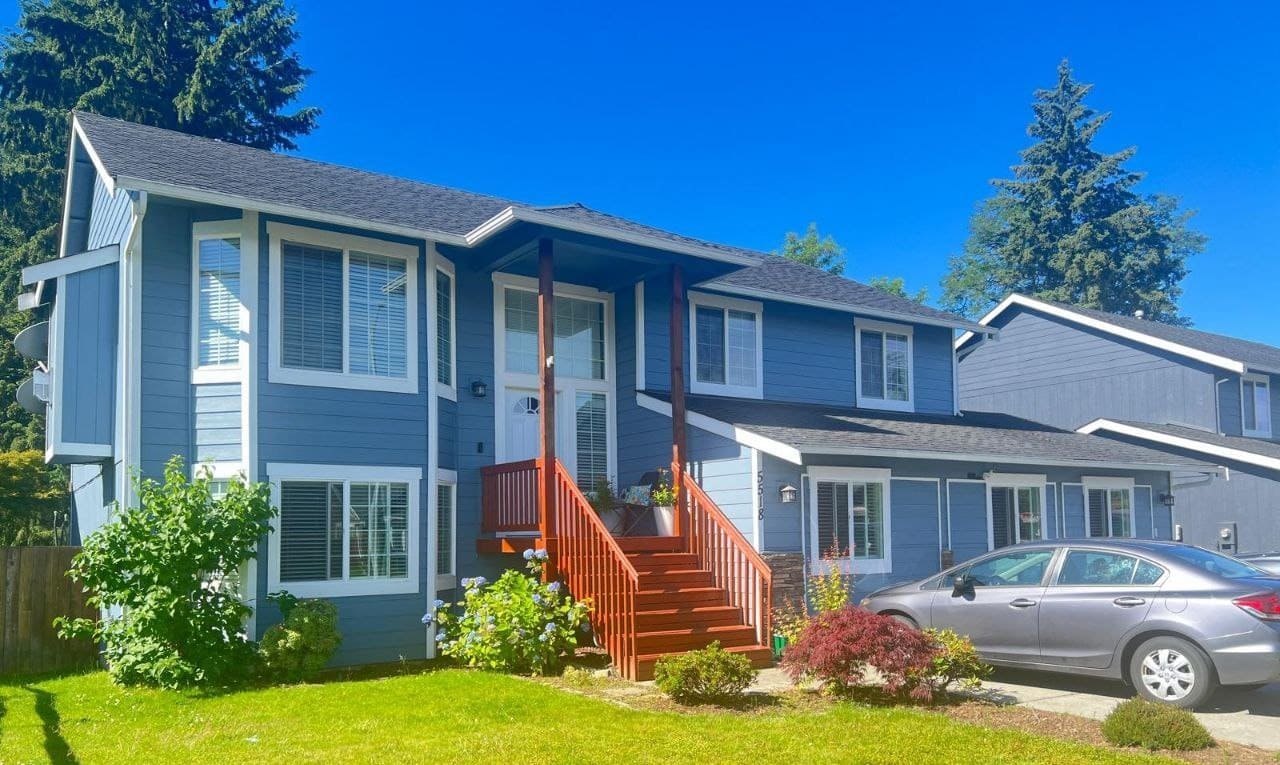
(961,585)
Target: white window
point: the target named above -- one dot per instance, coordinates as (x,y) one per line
(1015,508)
(850,519)
(446,354)
(1109,507)
(1255,404)
(343,310)
(725,351)
(446,530)
(884,362)
(344,530)
(216,295)
(580,335)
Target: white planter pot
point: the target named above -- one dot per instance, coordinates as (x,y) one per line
(665,518)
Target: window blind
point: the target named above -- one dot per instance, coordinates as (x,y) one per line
(310,531)
(444,528)
(311,310)
(444,328)
(219,302)
(378,325)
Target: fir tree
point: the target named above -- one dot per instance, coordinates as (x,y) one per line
(1070,226)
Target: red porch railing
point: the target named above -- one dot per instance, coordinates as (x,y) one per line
(734,564)
(509,497)
(594,566)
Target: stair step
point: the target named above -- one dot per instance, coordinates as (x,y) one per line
(676,617)
(760,656)
(687,639)
(650,544)
(649,600)
(668,580)
(659,562)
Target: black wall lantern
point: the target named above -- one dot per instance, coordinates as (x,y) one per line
(479,389)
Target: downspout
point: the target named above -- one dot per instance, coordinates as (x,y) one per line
(804,540)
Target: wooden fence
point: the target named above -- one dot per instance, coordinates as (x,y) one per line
(35,590)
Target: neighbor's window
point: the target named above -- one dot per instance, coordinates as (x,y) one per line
(1111,511)
(726,345)
(1017,512)
(579,329)
(444,328)
(217,260)
(1255,400)
(884,366)
(851,520)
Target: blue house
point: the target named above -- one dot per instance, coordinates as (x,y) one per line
(431,380)
(1179,390)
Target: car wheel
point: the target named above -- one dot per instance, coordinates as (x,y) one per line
(1172,671)
(907,620)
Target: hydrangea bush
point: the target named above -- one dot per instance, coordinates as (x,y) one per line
(516,624)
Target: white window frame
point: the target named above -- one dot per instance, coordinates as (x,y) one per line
(1256,432)
(1017,481)
(202,231)
(347,474)
(277,233)
(567,388)
(447,581)
(850,565)
(725,304)
(443,265)
(1109,484)
(861,325)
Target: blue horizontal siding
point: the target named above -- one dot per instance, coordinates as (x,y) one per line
(216,412)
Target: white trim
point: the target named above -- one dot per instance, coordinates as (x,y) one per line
(53,407)
(439,263)
(1015,481)
(1181,442)
(249,311)
(773,448)
(200,231)
(724,305)
(278,472)
(1108,484)
(1212,359)
(858,310)
(861,325)
(107,179)
(447,581)
(641,383)
(433,583)
(71,264)
(883,476)
(278,373)
(1255,378)
(757,500)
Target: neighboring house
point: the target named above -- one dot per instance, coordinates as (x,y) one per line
(1179,390)
(374,348)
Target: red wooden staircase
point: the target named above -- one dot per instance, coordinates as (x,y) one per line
(651,596)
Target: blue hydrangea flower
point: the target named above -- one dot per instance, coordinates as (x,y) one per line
(537,598)
(540,554)
(553,587)
(550,627)
(543,637)
(428,618)
(528,554)
(440,635)
(437,603)
(479,581)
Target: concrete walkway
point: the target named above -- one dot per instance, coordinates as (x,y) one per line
(1239,716)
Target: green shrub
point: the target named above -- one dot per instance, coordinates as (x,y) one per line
(955,662)
(168,569)
(303,642)
(711,675)
(516,624)
(1149,724)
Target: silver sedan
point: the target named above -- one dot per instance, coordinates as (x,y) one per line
(1173,620)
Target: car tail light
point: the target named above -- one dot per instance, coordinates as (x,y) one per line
(1264,605)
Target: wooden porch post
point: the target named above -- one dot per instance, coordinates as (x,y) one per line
(677,396)
(547,403)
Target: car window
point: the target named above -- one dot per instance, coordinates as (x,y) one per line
(1012,569)
(1147,573)
(1214,563)
(1096,567)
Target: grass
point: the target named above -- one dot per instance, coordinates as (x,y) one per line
(468,717)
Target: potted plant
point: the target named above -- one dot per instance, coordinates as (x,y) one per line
(663,499)
(605,502)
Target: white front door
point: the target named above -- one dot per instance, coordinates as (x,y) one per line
(523,415)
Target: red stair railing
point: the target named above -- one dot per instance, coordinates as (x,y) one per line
(509,497)
(594,566)
(734,564)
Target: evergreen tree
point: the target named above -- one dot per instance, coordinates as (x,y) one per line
(222,69)
(813,249)
(1071,227)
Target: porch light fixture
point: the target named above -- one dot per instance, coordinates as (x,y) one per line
(788,493)
(479,389)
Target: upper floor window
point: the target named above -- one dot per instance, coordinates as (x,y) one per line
(579,328)
(726,348)
(343,310)
(445,353)
(1255,402)
(1109,505)
(884,365)
(216,253)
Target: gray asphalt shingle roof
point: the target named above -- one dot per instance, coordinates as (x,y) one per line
(159,156)
(1263,447)
(975,435)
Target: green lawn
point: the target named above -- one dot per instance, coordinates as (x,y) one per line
(455,716)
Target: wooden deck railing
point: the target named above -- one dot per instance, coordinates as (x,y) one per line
(734,564)
(594,566)
(509,497)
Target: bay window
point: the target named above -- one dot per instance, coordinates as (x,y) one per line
(726,346)
(850,519)
(884,365)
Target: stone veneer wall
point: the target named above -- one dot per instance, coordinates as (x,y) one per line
(788,577)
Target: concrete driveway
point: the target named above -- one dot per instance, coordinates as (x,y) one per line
(1239,716)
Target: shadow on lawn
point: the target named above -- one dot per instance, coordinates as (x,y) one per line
(59,751)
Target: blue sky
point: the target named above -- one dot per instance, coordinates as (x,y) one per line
(739,122)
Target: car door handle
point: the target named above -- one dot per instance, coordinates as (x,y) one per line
(1022,603)
(1129,601)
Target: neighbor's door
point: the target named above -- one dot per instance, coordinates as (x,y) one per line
(1000,614)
